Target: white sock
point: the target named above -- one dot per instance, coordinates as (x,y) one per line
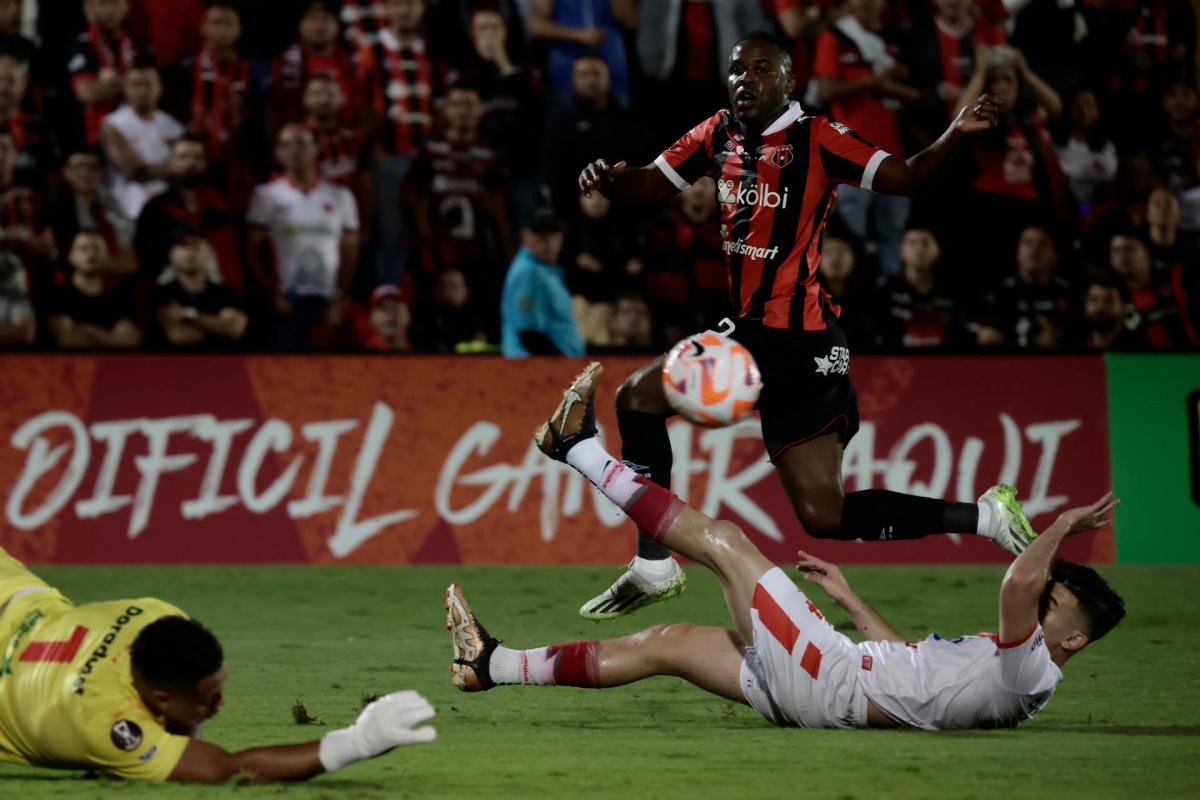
(532,667)
(986,519)
(617,481)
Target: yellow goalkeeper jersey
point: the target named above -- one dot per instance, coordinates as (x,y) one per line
(67,698)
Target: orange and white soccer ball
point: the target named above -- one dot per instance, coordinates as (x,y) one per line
(711,379)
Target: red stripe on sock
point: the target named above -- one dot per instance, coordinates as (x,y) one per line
(655,509)
(575,664)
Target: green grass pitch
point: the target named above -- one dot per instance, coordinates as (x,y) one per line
(1123,723)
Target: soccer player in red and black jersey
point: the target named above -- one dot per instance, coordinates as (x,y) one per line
(777,171)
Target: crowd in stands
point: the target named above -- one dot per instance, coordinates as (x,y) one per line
(401,175)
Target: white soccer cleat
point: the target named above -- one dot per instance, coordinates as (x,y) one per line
(644,582)
(1009,528)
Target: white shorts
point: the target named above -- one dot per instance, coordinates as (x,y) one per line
(799,671)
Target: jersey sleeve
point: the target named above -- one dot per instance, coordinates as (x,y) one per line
(846,157)
(134,746)
(349,210)
(1025,665)
(689,159)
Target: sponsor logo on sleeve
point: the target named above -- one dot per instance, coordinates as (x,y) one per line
(126,735)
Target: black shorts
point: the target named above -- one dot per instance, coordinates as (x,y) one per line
(806,384)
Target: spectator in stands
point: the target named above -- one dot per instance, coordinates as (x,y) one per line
(449,23)
(535,307)
(170,28)
(593,125)
(339,143)
(1018,179)
(224,110)
(22,232)
(83,312)
(1034,309)
(194,309)
(449,318)
(1087,155)
(916,311)
(137,141)
(1104,315)
(26,129)
(600,253)
(1167,304)
(313,228)
(1177,151)
(631,328)
(17,324)
(189,199)
(863,84)
(575,28)
(680,46)
(800,22)
(848,288)
(943,53)
(13,43)
(84,204)
(458,196)
(399,77)
(317,52)
(1162,230)
(388,321)
(98,62)
(512,98)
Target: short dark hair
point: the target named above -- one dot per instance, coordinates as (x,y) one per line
(175,652)
(768,38)
(1101,606)
(226,5)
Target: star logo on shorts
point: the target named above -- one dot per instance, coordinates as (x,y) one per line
(836,363)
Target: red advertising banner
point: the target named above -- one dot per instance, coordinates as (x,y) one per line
(227,459)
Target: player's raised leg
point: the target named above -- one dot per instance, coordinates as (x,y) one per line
(710,658)
(811,473)
(652,575)
(570,436)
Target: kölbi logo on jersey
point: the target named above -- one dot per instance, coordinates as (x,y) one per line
(759,195)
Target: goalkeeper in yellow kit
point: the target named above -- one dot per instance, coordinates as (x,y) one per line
(123,687)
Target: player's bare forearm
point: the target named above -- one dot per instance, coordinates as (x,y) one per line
(206,763)
(872,626)
(831,580)
(639,185)
(911,177)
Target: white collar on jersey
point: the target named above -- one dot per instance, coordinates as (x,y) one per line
(793,113)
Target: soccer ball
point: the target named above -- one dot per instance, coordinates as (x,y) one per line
(712,380)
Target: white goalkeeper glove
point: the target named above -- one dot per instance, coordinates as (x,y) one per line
(385,723)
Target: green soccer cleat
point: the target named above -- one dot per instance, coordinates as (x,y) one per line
(1009,529)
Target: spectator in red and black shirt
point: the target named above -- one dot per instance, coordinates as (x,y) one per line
(22,229)
(863,84)
(1177,150)
(98,61)
(26,129)
(916,311)
(84,204)
(319,51)
(363,21)
(1106,315)
(399,77)
(339,145)
(1167,303)
(457,193)
(777,172)
(223,111)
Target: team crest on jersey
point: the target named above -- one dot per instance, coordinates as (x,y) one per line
(782,156)
(126,735)
(839,127)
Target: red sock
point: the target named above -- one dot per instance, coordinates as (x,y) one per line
(575,664)
(654,508)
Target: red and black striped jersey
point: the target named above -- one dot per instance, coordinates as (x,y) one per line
(775,191)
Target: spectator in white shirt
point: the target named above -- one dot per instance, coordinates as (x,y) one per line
(137,140)
(313,229)
(1088,157)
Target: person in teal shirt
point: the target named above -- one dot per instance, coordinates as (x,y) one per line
(535,306)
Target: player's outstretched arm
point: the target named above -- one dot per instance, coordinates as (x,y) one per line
(1027,575)
(389,722)
(907,178)
(645,184)
(872,626)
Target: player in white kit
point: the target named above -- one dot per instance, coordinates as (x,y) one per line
(784,658)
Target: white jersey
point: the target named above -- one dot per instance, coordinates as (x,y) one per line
(968,682)
(151,139)
(306,229)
